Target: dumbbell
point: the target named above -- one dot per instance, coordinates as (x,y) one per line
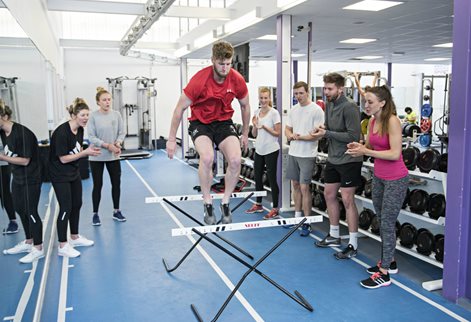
(436,205)
(316,172)
(428,160)
(439,247)
(406,199)
(425,242)
(343,212)
(407,235)
(365,217)
(319,201)
(265,179)
(418,201)
(375,225)
(398,228)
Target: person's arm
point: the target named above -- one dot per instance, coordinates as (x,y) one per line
(92,133)
(121,133)
(395,142)
(245,111)
(183,103)
(367,136)
(352,123)
(275,130)
(15,160)
(289,133)
(375,79)
(357,82)
(90,151)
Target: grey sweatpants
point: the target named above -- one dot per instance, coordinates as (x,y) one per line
(388,197)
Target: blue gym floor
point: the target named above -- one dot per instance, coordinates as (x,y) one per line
(121,277)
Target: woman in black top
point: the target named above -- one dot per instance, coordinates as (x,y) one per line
(21,151)
(66,150)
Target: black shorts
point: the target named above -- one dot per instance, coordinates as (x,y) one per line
(348,174)
(217,131)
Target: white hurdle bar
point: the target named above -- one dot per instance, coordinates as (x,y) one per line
(200,197)
(245,225)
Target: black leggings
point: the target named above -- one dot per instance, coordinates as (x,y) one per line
(5,192)
(26,205)
(69,197)
(270,160)
(114,170)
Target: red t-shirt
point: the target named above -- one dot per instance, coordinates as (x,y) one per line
(212,101)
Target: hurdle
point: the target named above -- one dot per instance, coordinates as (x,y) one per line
(202,232)
(168,200)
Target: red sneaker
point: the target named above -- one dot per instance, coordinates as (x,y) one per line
(255,208)
(272,214)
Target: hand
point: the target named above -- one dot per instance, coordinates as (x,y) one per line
(117,144)
(355,74)
(318,132)
(356,149)
(255,121)
(171,146)
(114,149)
(92,150)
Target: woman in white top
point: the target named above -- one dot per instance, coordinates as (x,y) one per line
(266,128)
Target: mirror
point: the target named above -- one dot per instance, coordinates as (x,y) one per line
(24,88)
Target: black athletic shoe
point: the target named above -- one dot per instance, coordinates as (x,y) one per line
(209,216)
(376,280)
(328,241)
(12,227)
(347,253)
(226,214)
(392,268)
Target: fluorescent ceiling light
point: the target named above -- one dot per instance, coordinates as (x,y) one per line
(357,41)
(268,37)
(437,59)
(298,55)
(372,5)
(369,57)
(445,45)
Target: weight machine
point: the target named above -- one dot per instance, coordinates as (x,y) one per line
(9,96)
(137,114)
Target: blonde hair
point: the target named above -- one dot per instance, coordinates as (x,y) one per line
(5,110)
(78,105)
(265,89)
(100,91)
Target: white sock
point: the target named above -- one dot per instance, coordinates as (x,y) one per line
(298,214)
(353,239)
(334,231)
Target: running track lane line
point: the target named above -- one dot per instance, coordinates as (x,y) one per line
(206,256)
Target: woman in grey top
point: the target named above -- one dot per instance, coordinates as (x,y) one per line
(106,130)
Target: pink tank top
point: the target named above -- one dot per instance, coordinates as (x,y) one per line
(386,169)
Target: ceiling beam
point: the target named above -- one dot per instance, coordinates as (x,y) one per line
(198,12)
(110,7)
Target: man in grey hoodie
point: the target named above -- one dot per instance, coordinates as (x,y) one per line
(342,171)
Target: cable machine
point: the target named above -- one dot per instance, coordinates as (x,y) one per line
(137,110)
(9,96)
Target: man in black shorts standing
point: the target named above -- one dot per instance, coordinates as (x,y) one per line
(209,94)
(342,126)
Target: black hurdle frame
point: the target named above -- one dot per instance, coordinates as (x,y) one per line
(297,297)
(200,239)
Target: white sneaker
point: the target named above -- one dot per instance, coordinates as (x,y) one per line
(21,247)
(68,251)
(81,241)
(33,255)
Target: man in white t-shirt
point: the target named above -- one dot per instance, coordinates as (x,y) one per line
(303,118)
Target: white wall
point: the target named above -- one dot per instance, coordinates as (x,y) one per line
(29,66)
(87,69)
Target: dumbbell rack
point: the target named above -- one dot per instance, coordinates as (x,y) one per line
(433,176)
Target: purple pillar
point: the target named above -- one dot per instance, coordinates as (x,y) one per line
(457,266)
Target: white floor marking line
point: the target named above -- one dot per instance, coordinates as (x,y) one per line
(214,196)
(206,256)
(8,318)
(62,309)
(27,291)
(407,289)
(47,259)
